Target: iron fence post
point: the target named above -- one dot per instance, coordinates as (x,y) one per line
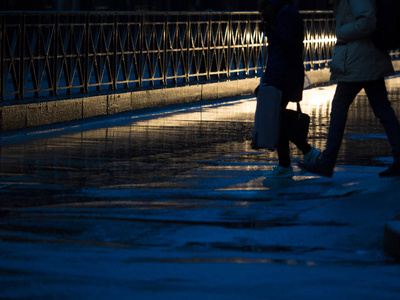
(86,60)
(229,41)
(247,35)
(164,56)
(141,37)
(55,56)
(2,56)
(20,93)
(209,33)
(115,60)
(188,29)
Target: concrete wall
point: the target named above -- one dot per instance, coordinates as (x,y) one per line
(20,116)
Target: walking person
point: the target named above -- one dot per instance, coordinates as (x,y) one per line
(283,26)
(357,64)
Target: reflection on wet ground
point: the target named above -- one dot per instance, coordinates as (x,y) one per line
(125,203)
(152,149)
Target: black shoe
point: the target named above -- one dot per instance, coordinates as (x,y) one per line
(393,171)
(318,168)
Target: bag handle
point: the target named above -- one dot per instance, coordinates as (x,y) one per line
(262,59)
(298,108)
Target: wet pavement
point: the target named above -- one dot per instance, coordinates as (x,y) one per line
(172,204)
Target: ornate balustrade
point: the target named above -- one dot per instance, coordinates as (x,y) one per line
(60,55)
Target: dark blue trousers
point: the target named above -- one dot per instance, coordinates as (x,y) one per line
(378,99)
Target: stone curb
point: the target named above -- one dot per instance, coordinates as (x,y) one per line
(391,240)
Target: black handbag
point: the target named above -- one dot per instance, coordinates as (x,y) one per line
(297,122)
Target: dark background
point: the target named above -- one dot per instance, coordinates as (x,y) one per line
(146,5)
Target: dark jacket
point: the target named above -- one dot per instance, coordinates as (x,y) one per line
(285,36)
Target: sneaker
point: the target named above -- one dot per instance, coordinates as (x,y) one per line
(317,168)
(309,157)
(393,171)
(280,172)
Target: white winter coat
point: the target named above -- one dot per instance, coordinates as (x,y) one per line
(355,57)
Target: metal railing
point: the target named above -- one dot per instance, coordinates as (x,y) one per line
(67,54)
(319,39)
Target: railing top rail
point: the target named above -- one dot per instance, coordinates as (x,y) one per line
(150,12)
(316,11)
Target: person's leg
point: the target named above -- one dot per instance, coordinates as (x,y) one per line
(377,96)
(283,145)
(380,104)
(310,154)
(300,143)
(344,96)
(284,169)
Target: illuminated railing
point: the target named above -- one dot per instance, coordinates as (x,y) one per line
(319,39)
(58,55)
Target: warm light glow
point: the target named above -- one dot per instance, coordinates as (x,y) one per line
(321,39)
